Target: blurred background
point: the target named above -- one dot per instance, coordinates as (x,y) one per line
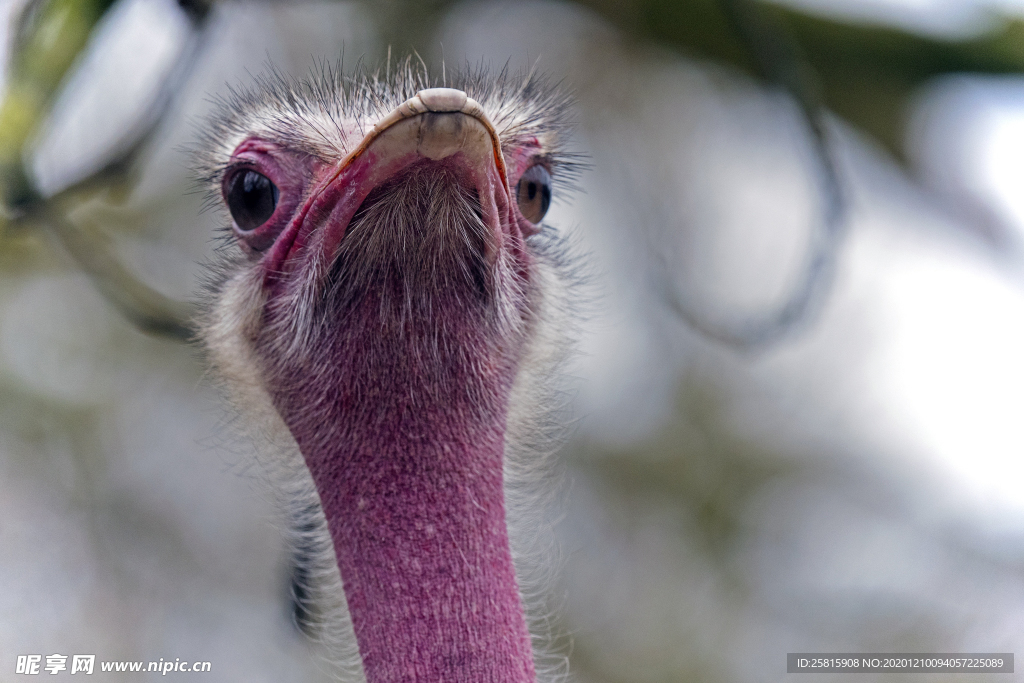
(798,404)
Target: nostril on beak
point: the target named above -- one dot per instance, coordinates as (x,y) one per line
(443,99)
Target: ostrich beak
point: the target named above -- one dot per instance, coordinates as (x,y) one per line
(437,124)
(439,136)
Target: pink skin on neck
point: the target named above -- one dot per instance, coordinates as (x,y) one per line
(412,491)
(407,458)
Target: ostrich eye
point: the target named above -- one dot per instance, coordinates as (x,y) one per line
(534,193)
(251,199)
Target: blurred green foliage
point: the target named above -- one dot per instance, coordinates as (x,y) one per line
(48,38)
(868,74)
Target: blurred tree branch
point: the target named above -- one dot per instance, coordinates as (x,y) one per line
(49,38)
(866,74)
(778,60)
(144,307)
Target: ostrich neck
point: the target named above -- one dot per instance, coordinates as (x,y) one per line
(403,432)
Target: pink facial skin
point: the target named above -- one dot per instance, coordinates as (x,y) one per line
(398,405)
(292,173)
(522,158)
(332,200)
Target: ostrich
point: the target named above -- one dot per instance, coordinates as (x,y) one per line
(388,315)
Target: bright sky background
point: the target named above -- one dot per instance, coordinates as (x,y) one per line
(949,366)
(935,17)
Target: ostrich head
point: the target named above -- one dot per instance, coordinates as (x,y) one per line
(386,309)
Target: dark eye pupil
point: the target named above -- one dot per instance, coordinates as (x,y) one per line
(251,199)
(534,193)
